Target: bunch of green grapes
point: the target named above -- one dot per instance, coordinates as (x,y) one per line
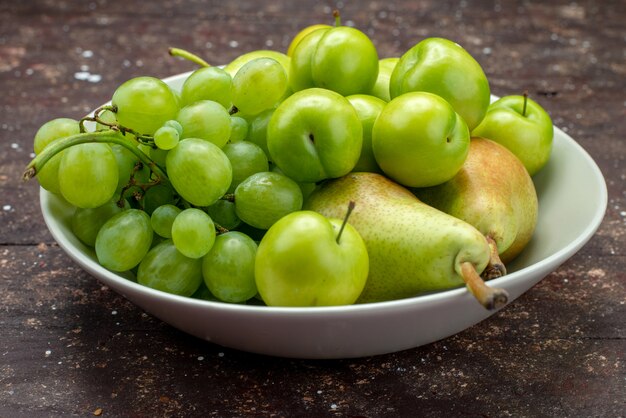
(176,187)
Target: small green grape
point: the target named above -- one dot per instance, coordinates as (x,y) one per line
(166,137)
(228,268)
(162,219)
(193,233)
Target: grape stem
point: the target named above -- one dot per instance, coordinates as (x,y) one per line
(132,182)
(109,136)
(189,56)
(220,229)
(141,138)
(229,197)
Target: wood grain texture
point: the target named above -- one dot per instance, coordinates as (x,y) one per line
(71,346)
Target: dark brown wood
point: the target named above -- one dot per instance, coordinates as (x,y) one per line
(71,346)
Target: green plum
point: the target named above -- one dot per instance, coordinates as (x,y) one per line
(522,126)
(315,134)
(419,140)
(300,72)
(301,261)
(300,35)
(385,69)
(233,67)
(442,67)
(345,60)
(368,108)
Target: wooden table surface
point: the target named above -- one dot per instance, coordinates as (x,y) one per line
(70,346)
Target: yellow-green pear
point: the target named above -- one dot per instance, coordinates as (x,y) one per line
(493,192)
(413,248)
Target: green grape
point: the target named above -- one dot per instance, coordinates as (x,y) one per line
(305,188)
(145,148)
(255,233)
(223,213)
(203,293)
(47,133)
(165,268)
(193,233)
(166,137)
(259,85)
(87,222)
(126,162)
(158,155)
(144,104)
(205,120)
(176,125)
(162,219)
(238,129)
(246,159)
(106,116)
(156,240)
(199,171)
(88,175)
(156,196)
(124,240)
(228,268)
(264,198)
(257,130)
(208,83)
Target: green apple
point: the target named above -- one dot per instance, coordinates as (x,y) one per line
(301,261)
(419,140)
(385,69)
(315,134)
(522,126)
(342,59)
(368,108)
(442,67)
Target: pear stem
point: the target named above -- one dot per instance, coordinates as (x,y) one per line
(490,298)
(337,17)
(345,220)
(177,52)
(496,267)
(525,102)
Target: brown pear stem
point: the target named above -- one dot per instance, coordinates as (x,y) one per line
(495,268)
(491,298)
(525,101)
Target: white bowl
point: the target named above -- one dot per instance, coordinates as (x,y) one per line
(572,201)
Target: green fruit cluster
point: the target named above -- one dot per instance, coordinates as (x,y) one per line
(292,179)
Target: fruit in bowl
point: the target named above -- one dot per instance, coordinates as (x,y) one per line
(455,252)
